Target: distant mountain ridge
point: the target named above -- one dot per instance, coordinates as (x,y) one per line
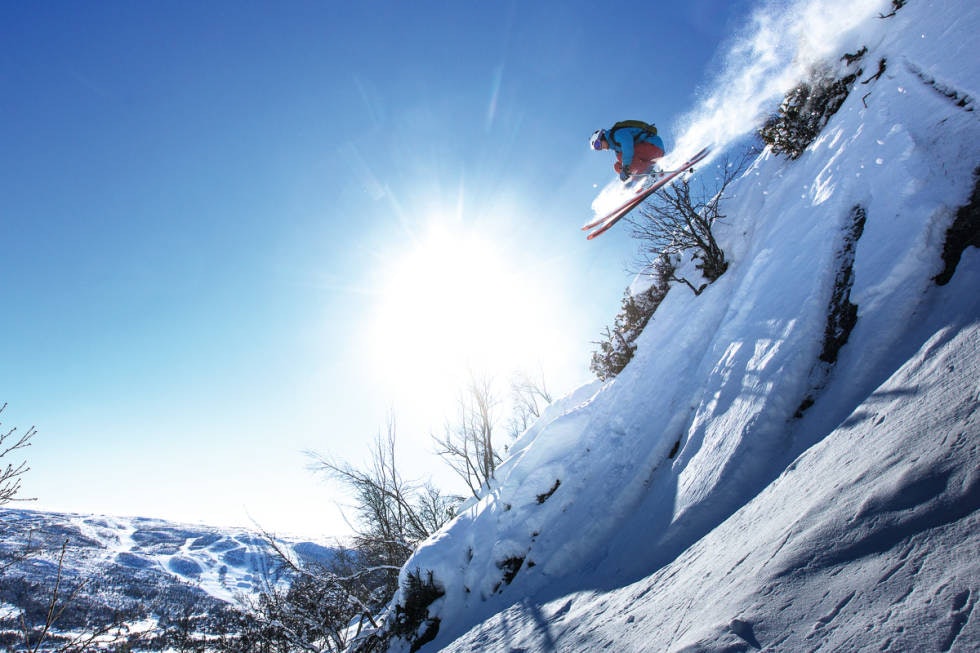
(142,567)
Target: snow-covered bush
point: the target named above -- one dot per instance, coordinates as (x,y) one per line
(618,345)
(896,5)
(808,106)
(411,622)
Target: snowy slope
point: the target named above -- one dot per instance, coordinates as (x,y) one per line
(866,542)
(847,526)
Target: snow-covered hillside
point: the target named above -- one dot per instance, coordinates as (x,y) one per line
(126,554)
(730,490)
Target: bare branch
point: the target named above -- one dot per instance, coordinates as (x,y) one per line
(467,446)
(680,218)
(393,515)
(10,476)
(528,396)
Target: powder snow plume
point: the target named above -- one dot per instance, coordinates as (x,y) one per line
(782,42)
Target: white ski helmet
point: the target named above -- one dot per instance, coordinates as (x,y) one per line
(595,142)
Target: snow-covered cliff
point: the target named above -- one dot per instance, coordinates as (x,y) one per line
(731,490)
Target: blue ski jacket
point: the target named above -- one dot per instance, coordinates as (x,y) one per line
(623,139)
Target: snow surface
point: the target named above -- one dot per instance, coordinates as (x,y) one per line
(685,505)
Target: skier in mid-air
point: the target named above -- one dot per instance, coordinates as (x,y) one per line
(638,148)
(636,144)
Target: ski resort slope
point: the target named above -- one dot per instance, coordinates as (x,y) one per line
(730,490)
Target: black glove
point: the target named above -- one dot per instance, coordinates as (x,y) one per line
(625,174)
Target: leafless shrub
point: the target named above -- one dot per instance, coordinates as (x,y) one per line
(392,515)
(681,218)
(528,397)
(467,445)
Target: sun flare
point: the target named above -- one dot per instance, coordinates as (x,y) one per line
(456,304)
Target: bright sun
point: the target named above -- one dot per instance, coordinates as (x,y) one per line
(455,304)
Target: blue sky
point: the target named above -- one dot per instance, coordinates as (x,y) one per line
(228,228)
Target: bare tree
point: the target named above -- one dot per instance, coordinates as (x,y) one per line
(680,218)
(10,475)
(529,396)
(392,515)
(467,445)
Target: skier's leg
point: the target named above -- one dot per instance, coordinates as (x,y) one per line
(644,156)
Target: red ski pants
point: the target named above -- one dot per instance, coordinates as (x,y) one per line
(644,156)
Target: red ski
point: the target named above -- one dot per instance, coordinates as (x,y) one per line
(604,223)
